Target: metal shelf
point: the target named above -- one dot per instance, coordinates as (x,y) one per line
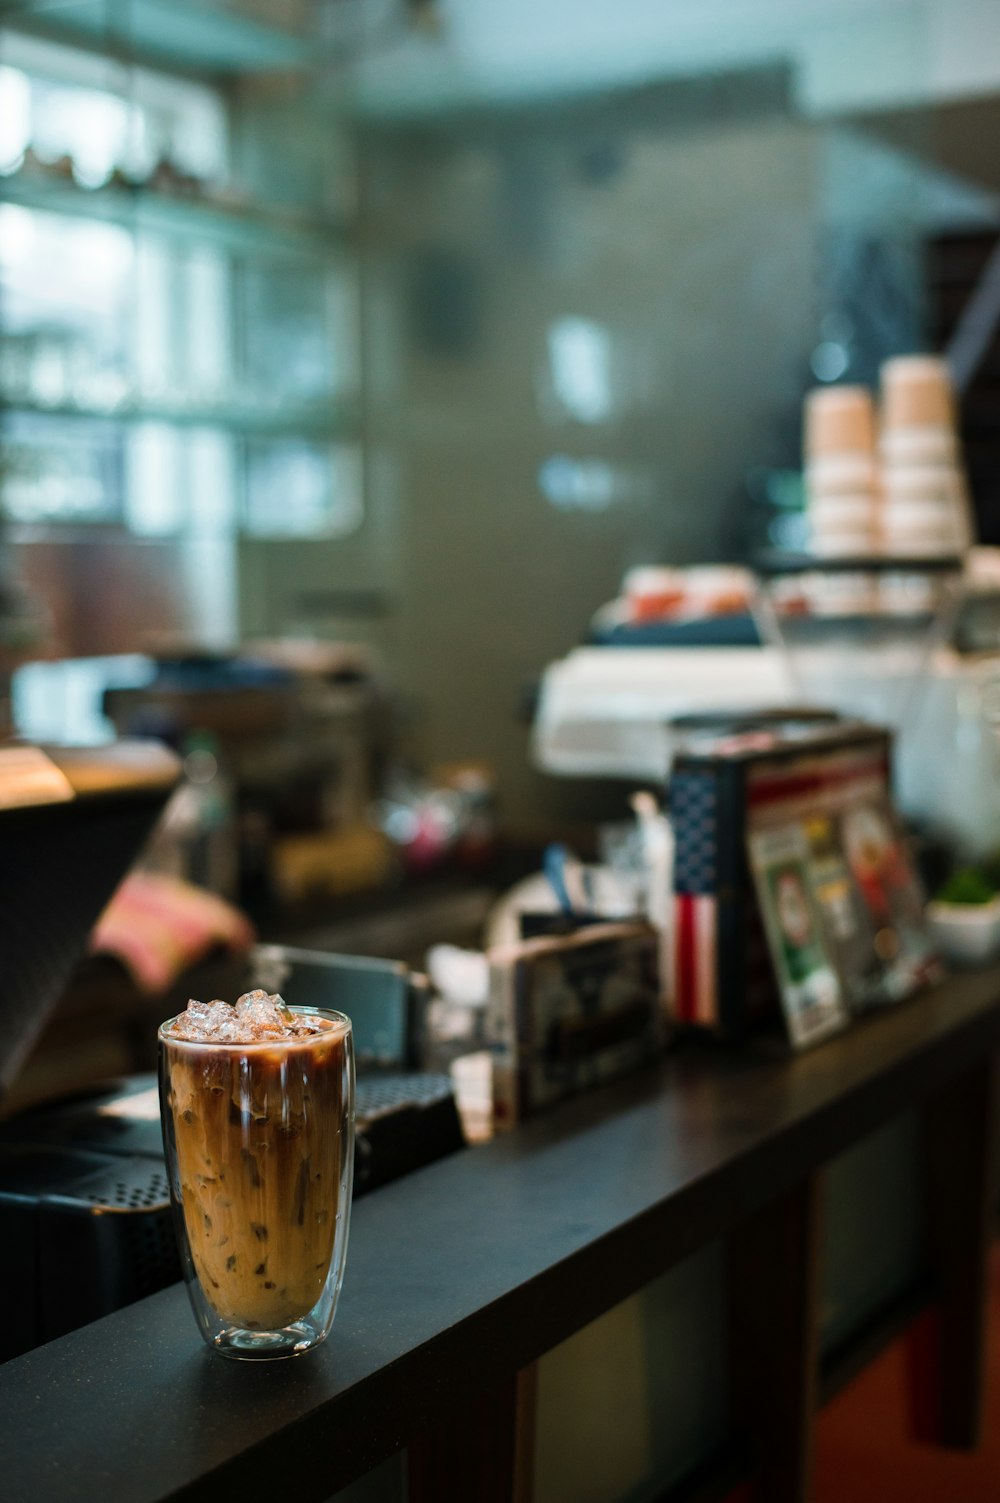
(214,39)
(330,419)
(782,565)
(233,228)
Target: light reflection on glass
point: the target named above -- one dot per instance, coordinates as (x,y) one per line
(297,489)
(829,360)
(58,469)
(15,117)
(578,484)
(580,363)
(64,288)
(63,114)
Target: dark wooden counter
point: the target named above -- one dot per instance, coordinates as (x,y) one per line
(461,1275)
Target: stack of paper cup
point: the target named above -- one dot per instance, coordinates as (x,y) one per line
(841,474)
(926,510)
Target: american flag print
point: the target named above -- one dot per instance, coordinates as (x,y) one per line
(693,810)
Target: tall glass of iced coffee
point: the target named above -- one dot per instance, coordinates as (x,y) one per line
(257,1102)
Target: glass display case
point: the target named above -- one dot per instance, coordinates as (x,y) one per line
(179,354)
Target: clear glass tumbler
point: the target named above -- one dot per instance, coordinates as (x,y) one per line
(259,1141)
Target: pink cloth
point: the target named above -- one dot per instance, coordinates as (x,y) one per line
(160,926)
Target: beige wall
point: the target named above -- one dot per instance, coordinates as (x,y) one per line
(696,253)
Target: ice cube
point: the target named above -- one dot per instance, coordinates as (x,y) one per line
(249,998)
(231,1030)
(287,1015)
(201,1022)
(196,1012)
(262,1015)
(218,1019)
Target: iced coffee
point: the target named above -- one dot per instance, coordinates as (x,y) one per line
(258,1118)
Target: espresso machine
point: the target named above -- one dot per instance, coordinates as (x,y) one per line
(84,1215)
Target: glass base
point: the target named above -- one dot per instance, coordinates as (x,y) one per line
(260,1346)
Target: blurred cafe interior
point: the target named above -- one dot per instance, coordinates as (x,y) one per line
(500,549)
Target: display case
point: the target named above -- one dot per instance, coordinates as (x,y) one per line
(179,352)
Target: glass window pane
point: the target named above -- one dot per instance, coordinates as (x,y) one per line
(60,469)
(297,337)
(66,290)
(295,489)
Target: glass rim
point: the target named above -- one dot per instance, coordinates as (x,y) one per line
(286,1043)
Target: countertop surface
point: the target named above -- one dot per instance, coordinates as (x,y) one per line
(467,1270)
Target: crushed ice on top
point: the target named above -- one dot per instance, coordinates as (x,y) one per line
(256,1018)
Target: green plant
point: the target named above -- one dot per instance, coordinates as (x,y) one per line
(968,885)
